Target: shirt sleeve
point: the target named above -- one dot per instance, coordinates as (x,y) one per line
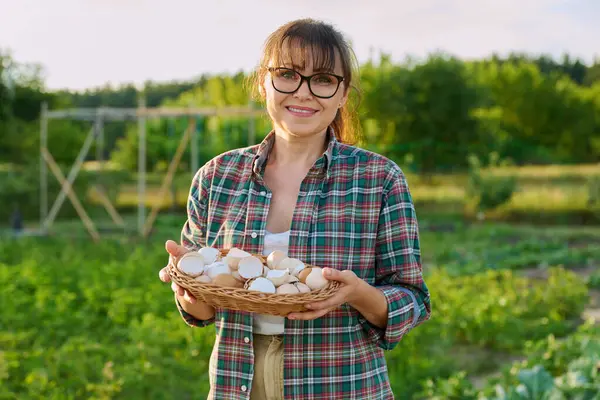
(193,233)
(399,274)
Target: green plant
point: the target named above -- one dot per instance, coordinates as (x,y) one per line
(488,191)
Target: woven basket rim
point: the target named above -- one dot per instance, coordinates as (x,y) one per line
(253,296)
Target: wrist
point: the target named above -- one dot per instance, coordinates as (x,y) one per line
(359,293)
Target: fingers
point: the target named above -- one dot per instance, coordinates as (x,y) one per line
(174,249)
(346,276)
(188,297)
(178,290)
(308,315)
(333,302)
(181,292)
(164,275)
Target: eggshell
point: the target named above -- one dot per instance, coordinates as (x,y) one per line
(191,264)
(287,288)
(209,254)
(315,280)
(227,280)
(250,267)
(274,258)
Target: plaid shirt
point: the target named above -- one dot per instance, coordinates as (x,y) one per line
(354,211)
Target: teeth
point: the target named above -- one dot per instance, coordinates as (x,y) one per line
(300,111)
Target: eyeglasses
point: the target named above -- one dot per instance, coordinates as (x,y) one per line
(322,85)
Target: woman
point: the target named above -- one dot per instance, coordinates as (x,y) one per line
(306,190)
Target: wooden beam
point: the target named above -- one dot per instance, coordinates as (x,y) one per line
(70,179)
(67,186)
(108,206)
(169,176)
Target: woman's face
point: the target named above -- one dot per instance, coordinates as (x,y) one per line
(301,113)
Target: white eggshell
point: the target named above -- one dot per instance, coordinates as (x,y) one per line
(302,288)
(217,268)
(236,275)
(278,276)
(191,264)
(315,280)
(209,254)
(275,258)
(250,267)
(291,264)
(203,279)
(287,288)
(261,284)
(234,256)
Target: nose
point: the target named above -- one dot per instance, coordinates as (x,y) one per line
(303,91)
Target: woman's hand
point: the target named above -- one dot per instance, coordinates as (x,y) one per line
(174,250)
(347,293)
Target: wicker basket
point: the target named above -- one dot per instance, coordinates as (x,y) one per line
(248,300)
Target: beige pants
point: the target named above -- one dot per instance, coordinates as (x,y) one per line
(268,368)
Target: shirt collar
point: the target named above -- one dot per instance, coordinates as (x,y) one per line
(264,149)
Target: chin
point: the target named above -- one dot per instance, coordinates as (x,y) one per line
(302,130)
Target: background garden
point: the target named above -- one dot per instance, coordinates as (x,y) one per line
(503,158)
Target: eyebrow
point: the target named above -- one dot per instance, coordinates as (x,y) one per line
(317,70)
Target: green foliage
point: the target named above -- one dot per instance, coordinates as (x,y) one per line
(489,191)
(594,280)
(552,369)
(91,296)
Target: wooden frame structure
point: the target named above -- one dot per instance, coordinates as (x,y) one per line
(98,116)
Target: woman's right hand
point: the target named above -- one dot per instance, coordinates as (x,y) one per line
(174,250)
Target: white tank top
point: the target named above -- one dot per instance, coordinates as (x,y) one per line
(265,324)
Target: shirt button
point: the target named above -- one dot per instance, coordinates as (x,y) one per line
(254,235)
(263,193)
(247,339)
(244,388)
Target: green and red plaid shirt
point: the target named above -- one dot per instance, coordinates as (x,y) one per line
(354,211)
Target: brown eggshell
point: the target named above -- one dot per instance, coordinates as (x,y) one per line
(303,274)
(227,280)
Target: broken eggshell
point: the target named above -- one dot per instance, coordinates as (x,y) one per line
(291,264)
(217,268)
(287,288)
(274,258)
(209,254)
(227,280)
(250,267)
(234,256)
(203,279)
(315,279)
(191,264)
(261,284)
(278,276)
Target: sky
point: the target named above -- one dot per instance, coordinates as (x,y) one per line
(89,43)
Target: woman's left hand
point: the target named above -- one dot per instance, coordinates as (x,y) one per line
(348,291)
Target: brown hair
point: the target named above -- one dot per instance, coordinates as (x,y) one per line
(322,40)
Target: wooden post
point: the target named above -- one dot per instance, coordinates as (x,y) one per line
(70,179)
(169,176)
(67,187)
(141,166)
(43,169)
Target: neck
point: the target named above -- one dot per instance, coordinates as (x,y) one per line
(294,151)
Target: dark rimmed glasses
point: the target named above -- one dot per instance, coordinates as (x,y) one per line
(323,85)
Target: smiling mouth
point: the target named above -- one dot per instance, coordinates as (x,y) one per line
(302,111)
